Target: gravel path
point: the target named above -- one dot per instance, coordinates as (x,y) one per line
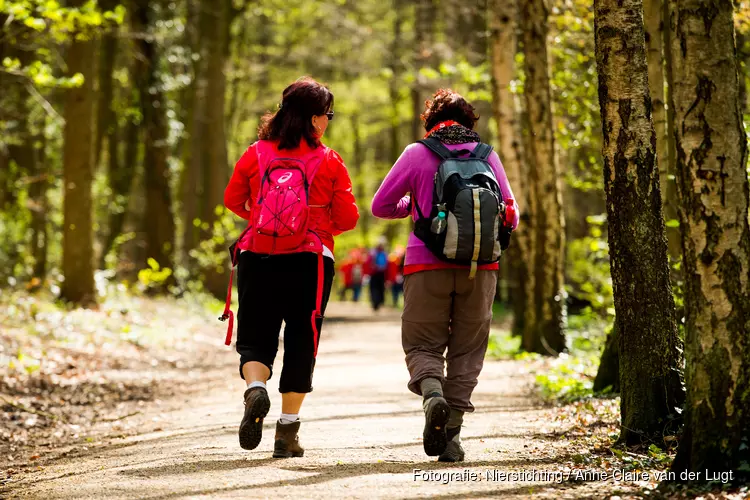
(361,429)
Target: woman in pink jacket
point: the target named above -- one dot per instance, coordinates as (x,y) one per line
(446,305)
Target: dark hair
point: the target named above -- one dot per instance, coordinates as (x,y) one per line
(300,101)
(448,105)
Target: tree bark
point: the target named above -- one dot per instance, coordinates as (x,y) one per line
(503,21)
(545,334)
(78,158)
(395,81)
(649,348)
(216,169)
(38,196)
(159,229)
(360,178)
(106,119)
(423,27)
(653,17)
(191,191)
(20,152)
(712,184)
(669,199)
(118,176)
(608,374)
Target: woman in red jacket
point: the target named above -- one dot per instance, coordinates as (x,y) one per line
(287,286)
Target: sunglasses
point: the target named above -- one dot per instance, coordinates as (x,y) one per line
(330,115)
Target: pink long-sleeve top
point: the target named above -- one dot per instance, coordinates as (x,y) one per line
(411,180)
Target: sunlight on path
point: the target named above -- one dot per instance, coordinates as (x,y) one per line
(361,429)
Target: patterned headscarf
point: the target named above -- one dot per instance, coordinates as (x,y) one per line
(451,132)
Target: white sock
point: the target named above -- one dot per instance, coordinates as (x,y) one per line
(288,418)
(257,383)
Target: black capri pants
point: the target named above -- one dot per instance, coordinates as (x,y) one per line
(276,288)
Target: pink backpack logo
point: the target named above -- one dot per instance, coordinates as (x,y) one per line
(281,213)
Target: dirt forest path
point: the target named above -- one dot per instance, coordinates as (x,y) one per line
(361,429)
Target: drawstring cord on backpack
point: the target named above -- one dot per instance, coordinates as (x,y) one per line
(228,314)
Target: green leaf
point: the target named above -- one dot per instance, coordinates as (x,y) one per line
(673,223)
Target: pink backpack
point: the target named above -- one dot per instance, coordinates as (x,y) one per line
(281,212)
(280,218)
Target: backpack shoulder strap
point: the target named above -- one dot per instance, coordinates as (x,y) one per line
(315,163)
(437,147)
(482,151)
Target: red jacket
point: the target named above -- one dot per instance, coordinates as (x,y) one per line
(331,188)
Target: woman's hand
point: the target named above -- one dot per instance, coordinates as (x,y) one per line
(247,205)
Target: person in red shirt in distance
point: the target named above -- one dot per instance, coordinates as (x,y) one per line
(294,285)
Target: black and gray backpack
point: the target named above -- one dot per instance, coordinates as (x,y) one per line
(466,223)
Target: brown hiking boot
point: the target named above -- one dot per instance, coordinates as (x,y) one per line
(287,441)
(454,452)
(257,405)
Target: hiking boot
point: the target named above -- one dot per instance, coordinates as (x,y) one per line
(454,452)
(436,414)
(287,441)
(257,405)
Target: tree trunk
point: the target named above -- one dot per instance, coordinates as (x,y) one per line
(503,20)
(608,374)
(649,348)
(216,170)
(159,229)
(742,60)
(118,176)
(423,27)
(395,82)
(360,178)
(669,199)
(78,158)
(653,17)
(21,153)
(4,159)
(38,196)
(106,118)
(712,185)
(545,334)
(191,184)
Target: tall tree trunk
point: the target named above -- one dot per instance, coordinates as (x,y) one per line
(395,81)
(503,21)
(394,132)
(191,191)
(38,196)
(669,199)
(653,17)
(423,26)
(118,176)
(545,334)
(712,185)
(14,112)
(20,151)
(742,60)
(106,118)
(9,101)
(159,229)
(78,158)
(216,170)
(360,178)
(649,348)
